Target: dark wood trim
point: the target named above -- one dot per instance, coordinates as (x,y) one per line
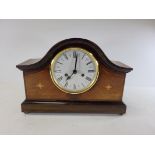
(73,42)
(73,107)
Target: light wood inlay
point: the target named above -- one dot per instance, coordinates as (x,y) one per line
(108,87)
(98,92)
(40,85)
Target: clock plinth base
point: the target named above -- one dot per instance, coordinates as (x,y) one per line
(73,107)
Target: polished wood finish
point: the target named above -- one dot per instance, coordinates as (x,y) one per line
(30,62)
(104,97)
(73,42)
(74,107)
(109,86)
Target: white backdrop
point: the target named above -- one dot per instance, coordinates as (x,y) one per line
(129,41)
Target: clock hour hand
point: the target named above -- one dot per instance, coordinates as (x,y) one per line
(69,77)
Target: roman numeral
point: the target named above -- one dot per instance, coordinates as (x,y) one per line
(59,62)
(83,55)
(65,56)
(74,54)
(57,71)
(66,84)
(91,71)
(74,86)
(88,78)
(89,62)
(83,85)
(60,78)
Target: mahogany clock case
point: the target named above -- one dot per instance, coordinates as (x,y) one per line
(104,97)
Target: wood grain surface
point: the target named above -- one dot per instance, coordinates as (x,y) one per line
(74,107)
(109,86)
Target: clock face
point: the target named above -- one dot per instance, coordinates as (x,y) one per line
(74,70)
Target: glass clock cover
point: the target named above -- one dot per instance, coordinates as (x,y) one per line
(74,70)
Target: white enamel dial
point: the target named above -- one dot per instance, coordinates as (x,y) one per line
(74,70)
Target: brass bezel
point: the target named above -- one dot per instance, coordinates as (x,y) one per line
(79,91)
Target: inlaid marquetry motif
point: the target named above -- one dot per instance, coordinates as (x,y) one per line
(108,87)
(40,85)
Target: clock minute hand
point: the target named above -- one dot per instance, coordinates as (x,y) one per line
(75,71)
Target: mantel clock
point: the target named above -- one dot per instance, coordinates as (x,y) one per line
(74,76)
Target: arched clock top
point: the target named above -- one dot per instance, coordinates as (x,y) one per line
(33,64)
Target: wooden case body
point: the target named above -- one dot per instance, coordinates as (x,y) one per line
(104,97)
(109,87)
